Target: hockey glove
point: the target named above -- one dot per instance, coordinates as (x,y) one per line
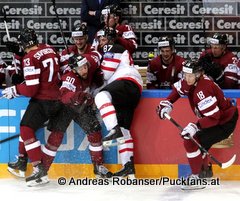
(14,47)
(82,97)
(189,131)
(10,92)
(164,106)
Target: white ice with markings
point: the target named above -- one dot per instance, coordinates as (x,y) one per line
(16,189)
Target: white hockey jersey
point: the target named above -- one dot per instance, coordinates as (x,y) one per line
(117,64)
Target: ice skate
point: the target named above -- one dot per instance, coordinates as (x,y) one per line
(114,137)
(102,172)
(39,176)
(127,171)
(19,167)
(193,182)
(206,173)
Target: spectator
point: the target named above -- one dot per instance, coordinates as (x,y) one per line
(91,13)
(165,69)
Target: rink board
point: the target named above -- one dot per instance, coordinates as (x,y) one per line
(158,148)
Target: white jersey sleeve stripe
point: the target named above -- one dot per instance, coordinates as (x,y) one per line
(32,82)
(193,154)
(211,112)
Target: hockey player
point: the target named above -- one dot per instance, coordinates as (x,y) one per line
(165,69)
(99,41)
(40,69)
(217,116)
(118,99)
(125,36)
(219,63)
(76,93)
(81,45)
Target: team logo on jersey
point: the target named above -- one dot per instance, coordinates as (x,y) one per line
(206,103)
(108,55)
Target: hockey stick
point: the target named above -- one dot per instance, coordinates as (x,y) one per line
(17,135)
(222,165)
(60,26)
(8,36)
(9,138)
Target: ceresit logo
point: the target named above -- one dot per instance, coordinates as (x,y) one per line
(167,9)
(217,9)
(19,10)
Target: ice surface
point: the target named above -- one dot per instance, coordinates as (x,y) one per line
(16,189)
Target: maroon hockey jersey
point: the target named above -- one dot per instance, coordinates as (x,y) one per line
(41,74)
(160,76)
(228,63)
(207,101)
(126,37)
(71,82)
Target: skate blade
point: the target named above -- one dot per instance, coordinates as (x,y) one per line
(20,174)
(111,143)
(43,180)
(193,187)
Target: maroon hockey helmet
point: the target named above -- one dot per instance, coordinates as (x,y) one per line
(27,38)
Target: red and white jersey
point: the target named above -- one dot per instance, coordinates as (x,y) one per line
(207,101)
(41,74)
(160,76)
(228,62)
(72,82)
(117,64)
(72,50)
(126,37)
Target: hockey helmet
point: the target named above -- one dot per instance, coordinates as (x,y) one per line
(77,61)
(191,66)
(27,38)
(219,38)
(100,33)
(107,32)
(112,9)
(80,30)
(166,41)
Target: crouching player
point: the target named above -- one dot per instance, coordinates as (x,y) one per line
(217,116)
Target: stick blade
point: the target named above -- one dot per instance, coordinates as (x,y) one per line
(229,163)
